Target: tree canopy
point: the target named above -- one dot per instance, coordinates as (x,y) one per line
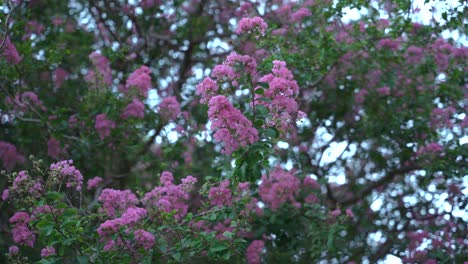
(204,131)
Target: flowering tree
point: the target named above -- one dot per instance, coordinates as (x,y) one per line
(199,131)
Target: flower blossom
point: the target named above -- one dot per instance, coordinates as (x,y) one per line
(134,109)
(249,25)
(169,108)
(139,79)
(65,170)
(94,183)
(278,188)
(47,251)
(104,126)
(9,155)
(282,90)
(102,65)
(254,250)
(10,53)
(114,201)
(231,127)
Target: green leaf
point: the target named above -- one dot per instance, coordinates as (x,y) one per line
(264,99)
(55,196)
(259,123)
(45,227)
(264,84)
(259,91)
(227,234)
(217,248)
(261,110)
(272,132)
(69,212)
(82,259)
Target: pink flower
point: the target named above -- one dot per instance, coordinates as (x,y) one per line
(149,3)
(66,171)
(104,126)
(169,197)
(169,108)
(231,127)
(10,53)
(60,75)
(9,155)
(144,239)
(114,201)
(222,195)
(282,90)
(430,148)
(13,250)
(47,251)
(5,194)
(278,188)
(207,89)
(94,183)
(53,148)
(20,231)
(384,91)
(254,250)
(349,213)
(300,14)
(135,109)
(133,215)
(388,43)
(141,80)
(360,96)
(249,25)
(26,101)
(335,213)
(102,65)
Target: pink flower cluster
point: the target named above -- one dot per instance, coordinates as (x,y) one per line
(231,127)
(234,66)
(278,188)
(440,117)
(300,14)
(221,196)
(10,53)
(5,194)
(47,251)
(60,75)
(169,108)
(430,148)
(21,233)
(129,218)
(139,79)
(116,201)
(282,90)
(26,101)
(94,183)
(66,171)
(102,65)
(388,43)
(126,222)
(9,155)
(104,126)
(144,239)
(207,89)
(170,197)
(13,250)
(53,148)
(134,109)
(254,250)
(250,25)
(149,3)
(24,185)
